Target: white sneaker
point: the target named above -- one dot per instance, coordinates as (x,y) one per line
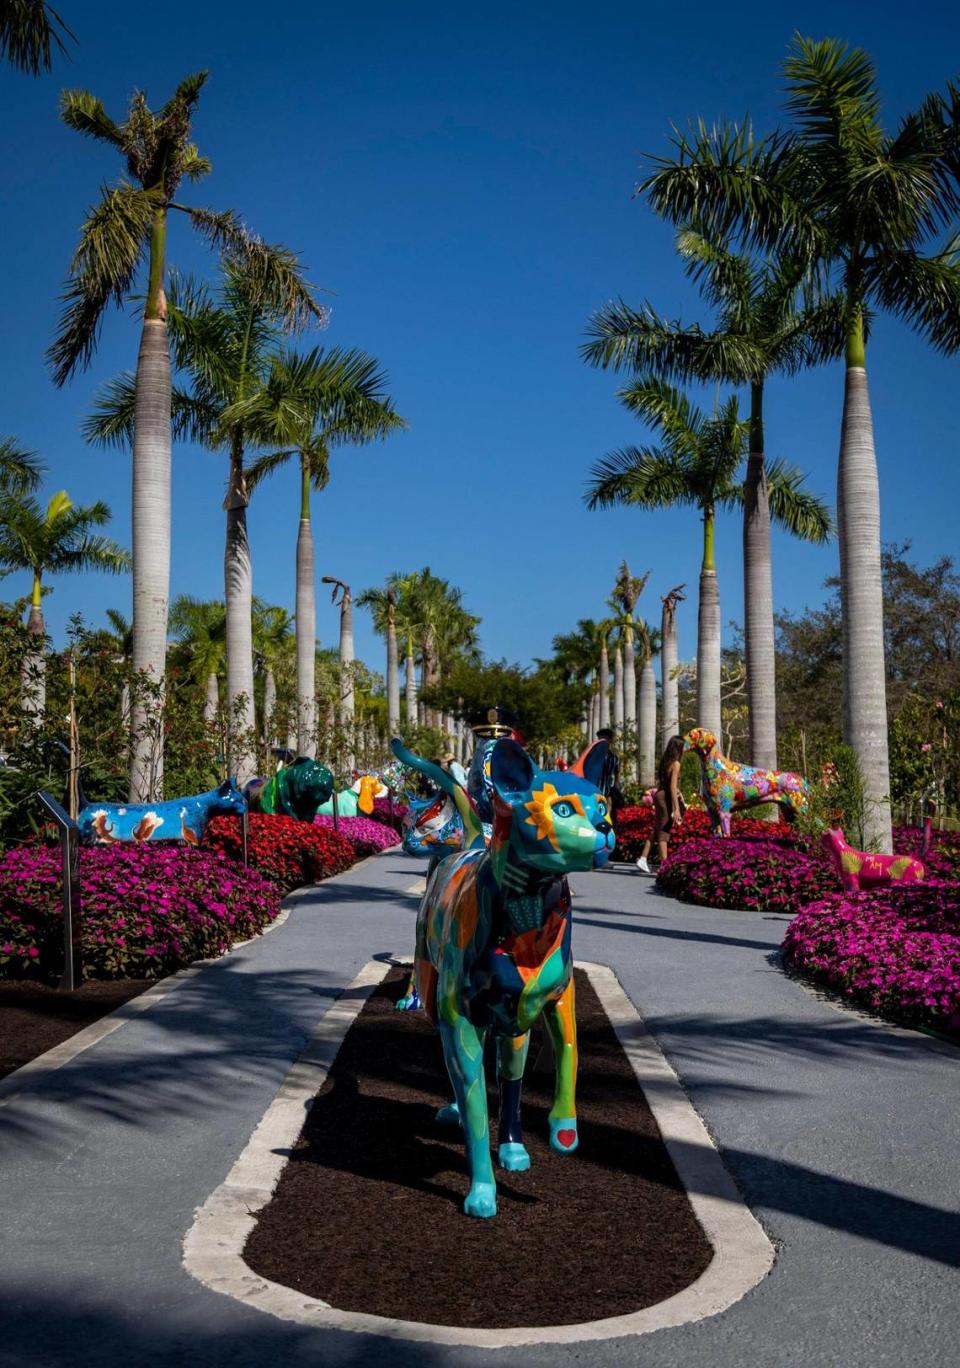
(642,865)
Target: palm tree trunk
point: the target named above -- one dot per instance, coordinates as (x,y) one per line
(410,685)
(669,684)
(861,597)
(708,636)
(151,530)
(269,708)
(629,679)
(604,711)
(238,597)
(33,672)
(647,746)
(306,620)
(758,597)
(618,689)
(346,674)
(393,674)
(211,703)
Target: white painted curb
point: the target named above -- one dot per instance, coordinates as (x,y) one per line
(213,1247)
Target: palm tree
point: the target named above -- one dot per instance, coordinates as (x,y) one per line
(30,30)
(697,465)
(382,604)
(126,235)
(306,406)
(273,635)
(626,594)
(222,346)
(767,322)
(867,207)
(669,686)
(55,540)
(443,628)
(647,719)
(341,594)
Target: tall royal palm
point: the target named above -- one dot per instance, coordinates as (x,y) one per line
(769,319)
(382,604)
(697,465)
(124,237)
(307,406)
(223,344)
(868,206)
(56,540)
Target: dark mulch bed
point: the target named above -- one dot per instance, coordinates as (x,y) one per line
(367,1215)
(35,1017)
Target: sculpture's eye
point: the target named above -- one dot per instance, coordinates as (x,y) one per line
(601,809)
(563,809)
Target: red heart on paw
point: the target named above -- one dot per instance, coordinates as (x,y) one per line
(566,1138)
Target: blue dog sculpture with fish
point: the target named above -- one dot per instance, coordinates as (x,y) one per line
(493,946)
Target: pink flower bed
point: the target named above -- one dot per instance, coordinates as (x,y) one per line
(382,813)
(896,951)
(365,835)
(146,910)
(749,875)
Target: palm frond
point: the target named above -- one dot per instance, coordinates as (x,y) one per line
(922,290)
(110,424)
(642,339)
(664,407)
(30,30)
(640,477)
(723,275)
(193,166)
(263,466)
(84,113)
(273,270)
(832,91)
(729,184)
(112,243)
(20,470)
(794,508)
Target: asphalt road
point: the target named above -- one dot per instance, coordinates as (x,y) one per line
(841,1133)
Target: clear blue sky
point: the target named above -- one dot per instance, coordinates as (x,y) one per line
(461,181)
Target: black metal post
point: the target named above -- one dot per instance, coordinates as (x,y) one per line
(336,812)
(70,851)
(245,834)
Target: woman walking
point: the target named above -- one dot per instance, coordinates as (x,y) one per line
(667,803)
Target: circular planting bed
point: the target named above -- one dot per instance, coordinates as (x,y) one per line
(367,1213)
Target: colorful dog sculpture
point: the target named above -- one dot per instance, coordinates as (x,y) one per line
(356,799)
(175,819)
(860,869)
(728,787)
(298,790)
(433,827)
(493,947)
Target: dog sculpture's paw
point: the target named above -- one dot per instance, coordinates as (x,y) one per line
(563,1135)
(449,1115)
(513,1157)
(481,1200)
(410,1003)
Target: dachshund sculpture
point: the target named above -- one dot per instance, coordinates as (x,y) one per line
(728,787)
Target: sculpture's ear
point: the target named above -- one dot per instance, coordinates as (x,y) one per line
(511,768)
(591,762)
(226,788)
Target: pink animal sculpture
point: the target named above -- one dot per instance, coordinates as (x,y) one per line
(860,869)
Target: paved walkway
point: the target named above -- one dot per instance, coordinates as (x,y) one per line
(842,1135)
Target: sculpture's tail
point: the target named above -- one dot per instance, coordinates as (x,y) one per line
(472,825)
